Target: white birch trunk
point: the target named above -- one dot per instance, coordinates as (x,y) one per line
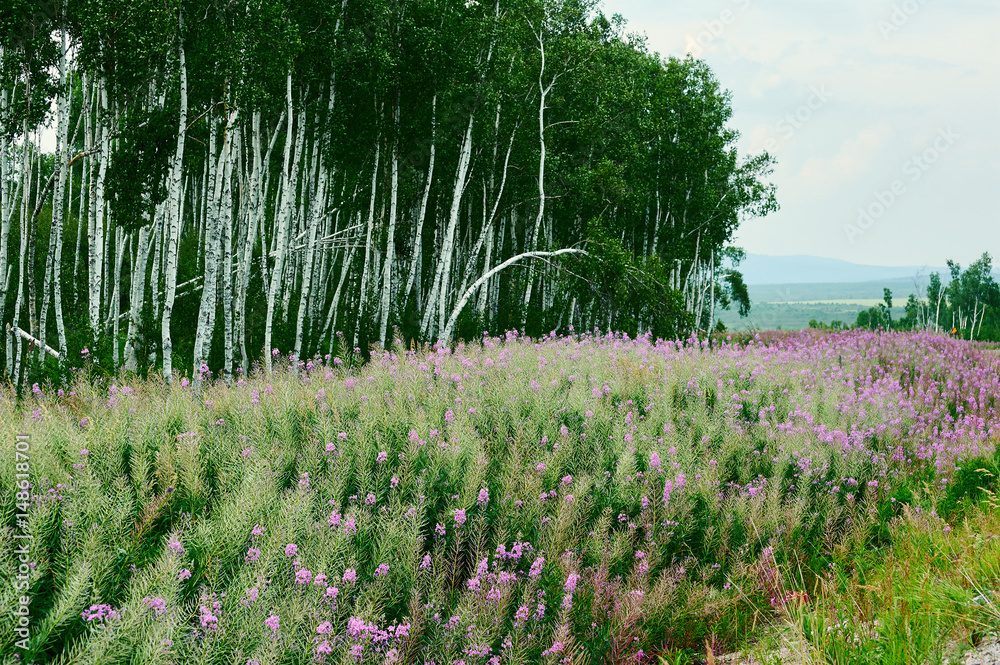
(95,221)
(390,246)
(363,293)
(213,248)
(136,297)
(226,224)
(331,318)
(488,219)
(26,171)
(284,214)
(317,205)
(172,220)
(84,183)
(532,242)
(439,293)
(58,201)
(418,235)
(114,304)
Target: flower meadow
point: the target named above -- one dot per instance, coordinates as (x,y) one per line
(584,499)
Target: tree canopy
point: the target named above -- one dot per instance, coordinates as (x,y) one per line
(307,175)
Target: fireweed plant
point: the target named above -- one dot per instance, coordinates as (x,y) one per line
(589,499)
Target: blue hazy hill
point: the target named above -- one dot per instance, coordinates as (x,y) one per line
(801,269)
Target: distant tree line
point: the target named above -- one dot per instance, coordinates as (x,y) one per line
(968,307)
(308,175)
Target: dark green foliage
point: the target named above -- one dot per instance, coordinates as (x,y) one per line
(641,170)
(138,169)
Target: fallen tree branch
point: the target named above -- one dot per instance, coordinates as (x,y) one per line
(449,328)
(37,342)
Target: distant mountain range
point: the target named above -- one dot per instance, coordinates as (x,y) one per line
(764,269)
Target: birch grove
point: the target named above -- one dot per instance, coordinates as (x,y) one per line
(315,178)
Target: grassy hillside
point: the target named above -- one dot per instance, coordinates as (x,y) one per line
(792,306)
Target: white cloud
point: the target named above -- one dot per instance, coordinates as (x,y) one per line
(892,90)
(823,176)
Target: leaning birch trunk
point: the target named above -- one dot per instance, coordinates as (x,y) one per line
(33,340)
(450,326)
(390,245)
(114,302)
(439,292)
(281,232)
(362,295)
(84,184)
(331,318)
(484,293)
(418,234)
(487,232)
(321,278)
(316,207)
(172,222)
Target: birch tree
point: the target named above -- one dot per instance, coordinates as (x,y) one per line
(307,175)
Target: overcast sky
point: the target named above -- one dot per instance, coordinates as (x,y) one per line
(891,107)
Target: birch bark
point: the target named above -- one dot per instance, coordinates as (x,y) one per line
(58,202)
(226,223)
(213,248)
(136,297)
(363,293)
(439,293)
(418,234)
(284,218)
(532,242)
(390,246)
(172,221)
(317,205)
(14,360)
(98,238)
